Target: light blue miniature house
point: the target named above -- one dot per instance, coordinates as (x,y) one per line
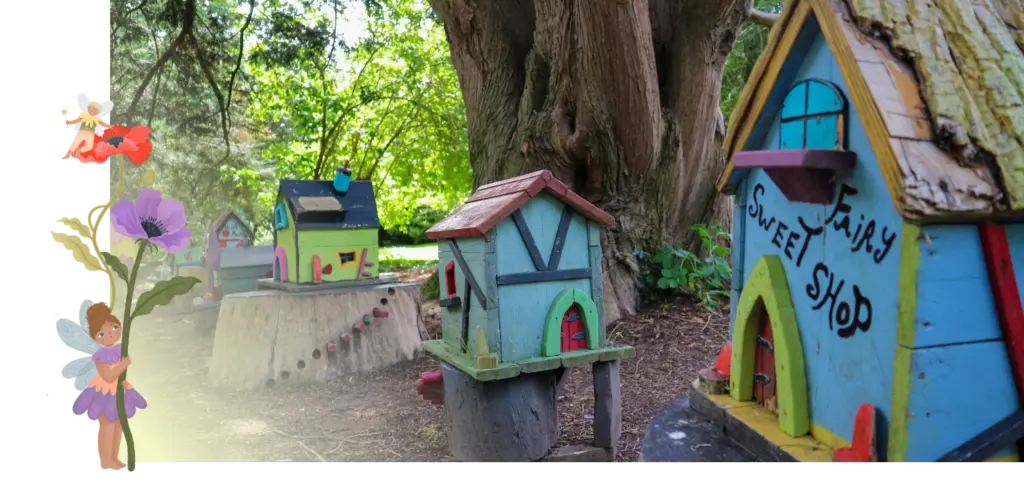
(861,273)
(521,281)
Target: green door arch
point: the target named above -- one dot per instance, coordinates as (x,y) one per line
(767,290)
(551,345)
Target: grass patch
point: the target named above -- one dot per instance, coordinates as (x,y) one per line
(423,252)
(402,258)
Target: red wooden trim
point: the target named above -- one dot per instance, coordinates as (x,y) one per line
(1006,295)
(492,203)
(317,275)
(450,288)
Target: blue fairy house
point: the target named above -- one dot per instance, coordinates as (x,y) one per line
(520,275)
(878,208)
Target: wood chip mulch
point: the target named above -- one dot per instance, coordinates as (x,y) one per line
(379,416)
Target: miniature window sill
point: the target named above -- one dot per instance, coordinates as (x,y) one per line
(453,303)
(802,175)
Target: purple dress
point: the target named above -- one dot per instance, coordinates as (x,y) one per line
(100,397)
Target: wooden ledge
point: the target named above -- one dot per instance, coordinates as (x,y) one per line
(507,370)
(802,175)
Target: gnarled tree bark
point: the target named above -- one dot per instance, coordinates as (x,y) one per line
(617,98)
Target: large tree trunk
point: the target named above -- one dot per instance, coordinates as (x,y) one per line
(618,98)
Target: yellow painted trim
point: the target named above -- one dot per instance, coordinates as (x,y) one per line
(767,290)
(864,102)
(1014,458)
(763,77)
(828,438)
(870,116)
(764,423)
(910,259)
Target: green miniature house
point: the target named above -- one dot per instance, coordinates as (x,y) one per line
(521,281)
(325,231)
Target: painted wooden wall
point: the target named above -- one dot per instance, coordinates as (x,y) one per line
(1015,236)
(327,243)
(240,280)
(523,307)
(843,284)
(475,252)
(285,238)
(954,357)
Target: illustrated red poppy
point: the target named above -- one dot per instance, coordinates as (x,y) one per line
(132,142)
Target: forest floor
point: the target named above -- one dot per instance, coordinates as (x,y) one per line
(379,416)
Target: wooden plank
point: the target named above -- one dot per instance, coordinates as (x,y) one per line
(493,323)
(607,405)
(1007,297)
(989,442)
(527,236)
(559,244)
(541,276)
(597,292)
(465,316)
(467,273)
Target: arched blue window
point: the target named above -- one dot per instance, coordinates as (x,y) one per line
(280,218)
(813,117)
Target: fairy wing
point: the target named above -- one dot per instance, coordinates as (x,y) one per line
(83,315)
(103,113)
(83,102)
(75,336)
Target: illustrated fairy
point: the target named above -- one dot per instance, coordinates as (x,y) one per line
(96,376)
(88,123)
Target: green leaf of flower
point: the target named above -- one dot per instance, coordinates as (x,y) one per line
(162,294)
(79,250)
(115,264)
(77,225)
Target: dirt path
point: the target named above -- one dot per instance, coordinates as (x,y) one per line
(379,416)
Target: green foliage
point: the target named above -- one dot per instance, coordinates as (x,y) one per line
(675,268)
(401,264)
(162,294)
(391,107)
(414,231)
(430,289)
(273,89)
(115,265)
(750,42)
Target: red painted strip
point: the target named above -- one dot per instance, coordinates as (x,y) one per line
(1006,295)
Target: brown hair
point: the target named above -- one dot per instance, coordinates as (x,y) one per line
(97,315)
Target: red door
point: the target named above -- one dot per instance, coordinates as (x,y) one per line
(573,337)
(764,367)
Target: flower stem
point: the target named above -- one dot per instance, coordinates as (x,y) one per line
(125,332)
(94,226)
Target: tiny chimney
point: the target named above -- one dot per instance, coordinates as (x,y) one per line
(342,178)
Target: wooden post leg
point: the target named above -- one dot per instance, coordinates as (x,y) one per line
(607,406)
(505,420)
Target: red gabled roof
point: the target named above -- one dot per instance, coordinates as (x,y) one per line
(492,203)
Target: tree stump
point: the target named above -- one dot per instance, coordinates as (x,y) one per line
(509,420)
(273,337)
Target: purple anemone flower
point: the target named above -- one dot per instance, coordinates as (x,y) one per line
(160,221)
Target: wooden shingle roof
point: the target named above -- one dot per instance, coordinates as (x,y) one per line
(939,87)
(492,203)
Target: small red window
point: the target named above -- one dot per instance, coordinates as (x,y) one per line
(449,279)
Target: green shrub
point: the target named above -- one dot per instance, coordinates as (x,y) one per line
(430,289)
(674,268)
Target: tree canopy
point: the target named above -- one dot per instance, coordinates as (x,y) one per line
(242,93)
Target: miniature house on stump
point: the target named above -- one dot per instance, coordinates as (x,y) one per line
(325,231)
(226,231)
(521,301)
(325,313)
(859,322)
